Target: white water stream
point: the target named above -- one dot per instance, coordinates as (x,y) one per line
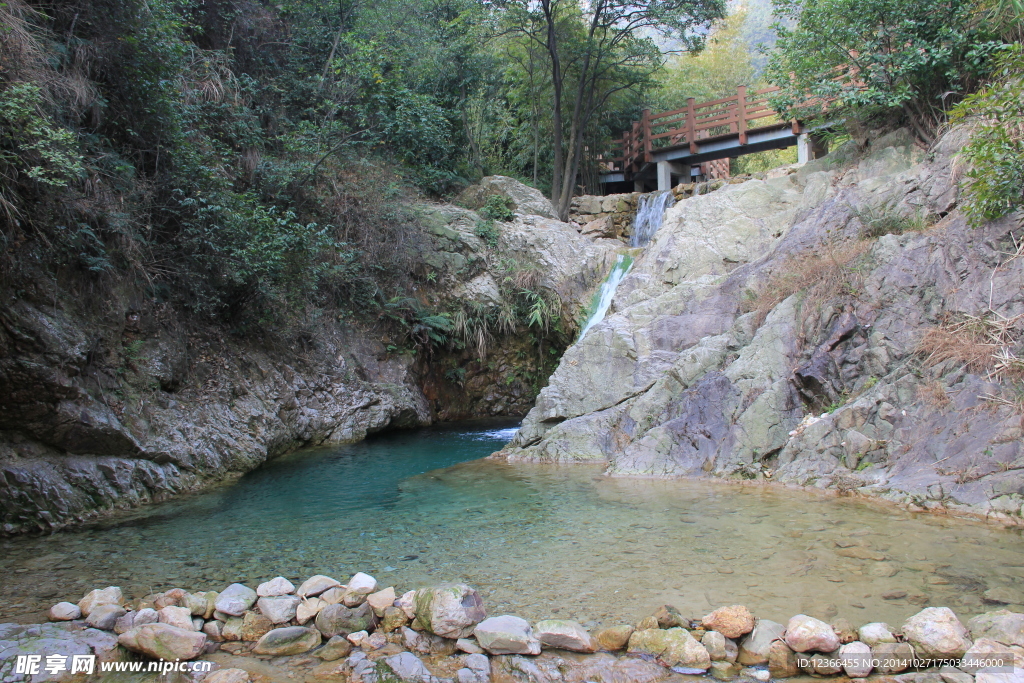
(650,211)
(604,295)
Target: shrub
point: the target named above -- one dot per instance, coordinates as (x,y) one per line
(996,151)
(498,207)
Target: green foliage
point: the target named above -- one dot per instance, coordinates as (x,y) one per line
(996,151)
(710,74)
(866,58)
(886,218)
(487,230)
(31,142)
(419,327)
(498,207)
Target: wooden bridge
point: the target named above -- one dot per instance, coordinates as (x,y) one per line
(663,149)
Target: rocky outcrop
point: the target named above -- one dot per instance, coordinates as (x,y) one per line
(114,404)
(773,329)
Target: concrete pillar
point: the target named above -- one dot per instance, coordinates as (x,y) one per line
(803,148)
(638,186)
(667,169)
(664,176)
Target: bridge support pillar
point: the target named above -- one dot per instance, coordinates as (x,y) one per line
(666,169)
(809,148)
(803,148)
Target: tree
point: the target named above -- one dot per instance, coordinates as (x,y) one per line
(868,57)
(593,51)
(715,72)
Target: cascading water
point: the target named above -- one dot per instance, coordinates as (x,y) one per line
(603,298)
(649,213)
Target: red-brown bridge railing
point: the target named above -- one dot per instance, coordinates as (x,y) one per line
(729,115)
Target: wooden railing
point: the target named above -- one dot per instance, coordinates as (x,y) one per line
(729,115)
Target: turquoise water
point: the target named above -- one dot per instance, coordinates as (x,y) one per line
(416,508)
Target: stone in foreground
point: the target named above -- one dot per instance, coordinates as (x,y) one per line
(315,585)
(874,633)
(672,647)
(408,667)
(65,611)
(235,599)
(614,637)
(565,635)
(290,640)
(1002,625)
(162,641)
(856,658)
(449,610)
(507,635)
(935,632)
(782,660)
(105,616)
(111,595)
(275,587)
(228,676)
(893,658)
(807,634)
(381,600)
(335,648)
(753,649)
(335,620)
(309,608)
(280,608)
(731,622)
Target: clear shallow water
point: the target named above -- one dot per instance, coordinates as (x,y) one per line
(536,540)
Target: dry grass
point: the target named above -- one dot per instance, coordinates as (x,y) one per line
(981,344)
(825,275)
(934,396)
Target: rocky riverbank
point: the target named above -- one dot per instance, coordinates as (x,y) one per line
(324,630)
(121,400)
(840,327)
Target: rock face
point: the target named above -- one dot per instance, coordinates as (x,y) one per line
(506,635)
(708,361)
(522,198)
(162,641)
(671,647)
(449,610)
(86,427)
(936,632)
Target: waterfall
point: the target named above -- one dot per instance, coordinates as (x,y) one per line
(649,212)
(603,298)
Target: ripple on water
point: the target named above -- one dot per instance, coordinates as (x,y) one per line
(536,540)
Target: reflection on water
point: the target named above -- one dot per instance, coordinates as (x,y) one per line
(536,540)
